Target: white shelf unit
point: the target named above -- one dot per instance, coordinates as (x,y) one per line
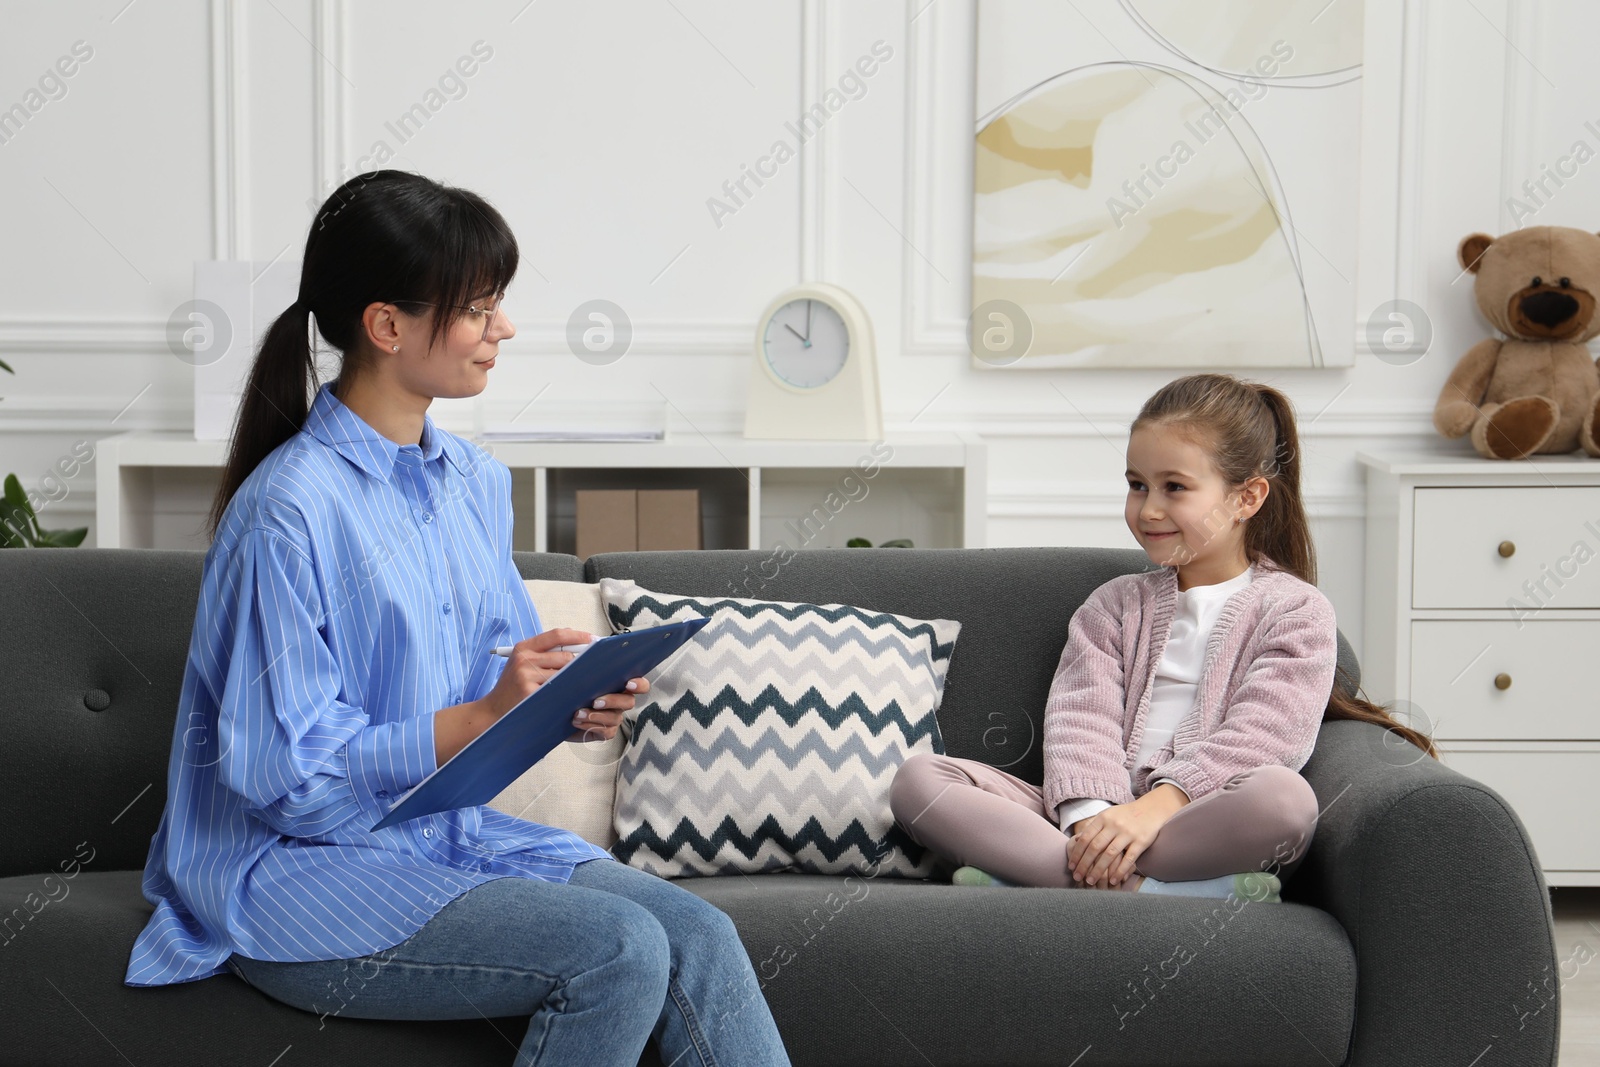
(152,489)
(1452,541)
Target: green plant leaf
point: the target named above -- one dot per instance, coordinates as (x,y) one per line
(858,542)
(63,538)
(6,367)
(19,514)
(16,526)
(14,494)
(898,542)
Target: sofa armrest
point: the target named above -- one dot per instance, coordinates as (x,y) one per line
(1436,883)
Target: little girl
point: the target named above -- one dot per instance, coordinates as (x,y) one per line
(1187,698)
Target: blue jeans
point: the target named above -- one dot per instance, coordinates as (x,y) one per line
(602,963)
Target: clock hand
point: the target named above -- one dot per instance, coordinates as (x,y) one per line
(796,332)
(807,337)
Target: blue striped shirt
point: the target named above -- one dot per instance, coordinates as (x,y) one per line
(353,589)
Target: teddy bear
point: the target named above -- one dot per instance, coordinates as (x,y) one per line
(1538,390)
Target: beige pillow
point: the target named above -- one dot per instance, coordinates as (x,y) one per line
(575,786)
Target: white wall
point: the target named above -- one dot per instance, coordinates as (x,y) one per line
(202,129)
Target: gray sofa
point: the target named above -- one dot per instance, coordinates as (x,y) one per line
(1411,935)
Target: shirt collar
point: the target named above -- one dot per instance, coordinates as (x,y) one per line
(341,429)
(1166,575)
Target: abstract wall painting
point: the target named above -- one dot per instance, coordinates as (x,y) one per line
(1160,183)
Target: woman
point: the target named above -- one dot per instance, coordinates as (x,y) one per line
(359,574)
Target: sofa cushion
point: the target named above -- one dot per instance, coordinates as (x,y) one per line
(896,972)
(64,967)
(770,740)
(575,786)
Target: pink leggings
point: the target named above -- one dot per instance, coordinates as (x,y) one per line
(971,813)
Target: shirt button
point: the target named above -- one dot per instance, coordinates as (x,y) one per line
(448,609)
(427,831)
(427,516)
(383,794)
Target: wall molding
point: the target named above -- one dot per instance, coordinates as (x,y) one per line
(818,27)
(329,102)
(1368,423)
(88,416)
(941,67)
(230,189)
(1410,280)
(1394,76)
(75,335)
(1522,95)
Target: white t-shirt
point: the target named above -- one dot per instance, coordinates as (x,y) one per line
(1173,693)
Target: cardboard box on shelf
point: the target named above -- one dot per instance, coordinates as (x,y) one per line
(607,521)
(626,520)
(668,519)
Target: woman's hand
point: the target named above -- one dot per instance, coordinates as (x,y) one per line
(1105,846)
(531,664)
(600,722)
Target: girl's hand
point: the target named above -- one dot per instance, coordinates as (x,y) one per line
(1106,845)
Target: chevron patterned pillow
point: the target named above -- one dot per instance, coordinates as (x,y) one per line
(769,741)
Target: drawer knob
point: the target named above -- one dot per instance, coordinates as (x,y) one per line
(1502,681)
(1506,549)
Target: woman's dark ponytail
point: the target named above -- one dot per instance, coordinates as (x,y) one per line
(276,400)
(382,237)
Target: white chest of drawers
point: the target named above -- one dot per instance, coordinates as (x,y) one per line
(1483,627)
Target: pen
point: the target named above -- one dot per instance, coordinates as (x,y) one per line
(505,650)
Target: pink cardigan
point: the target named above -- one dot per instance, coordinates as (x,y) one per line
(1262,692)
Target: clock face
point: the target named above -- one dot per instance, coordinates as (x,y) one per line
(806,343)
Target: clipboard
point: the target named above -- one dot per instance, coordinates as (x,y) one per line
(528,732)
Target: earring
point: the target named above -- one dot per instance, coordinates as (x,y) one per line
(1237,520)
(396,348)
